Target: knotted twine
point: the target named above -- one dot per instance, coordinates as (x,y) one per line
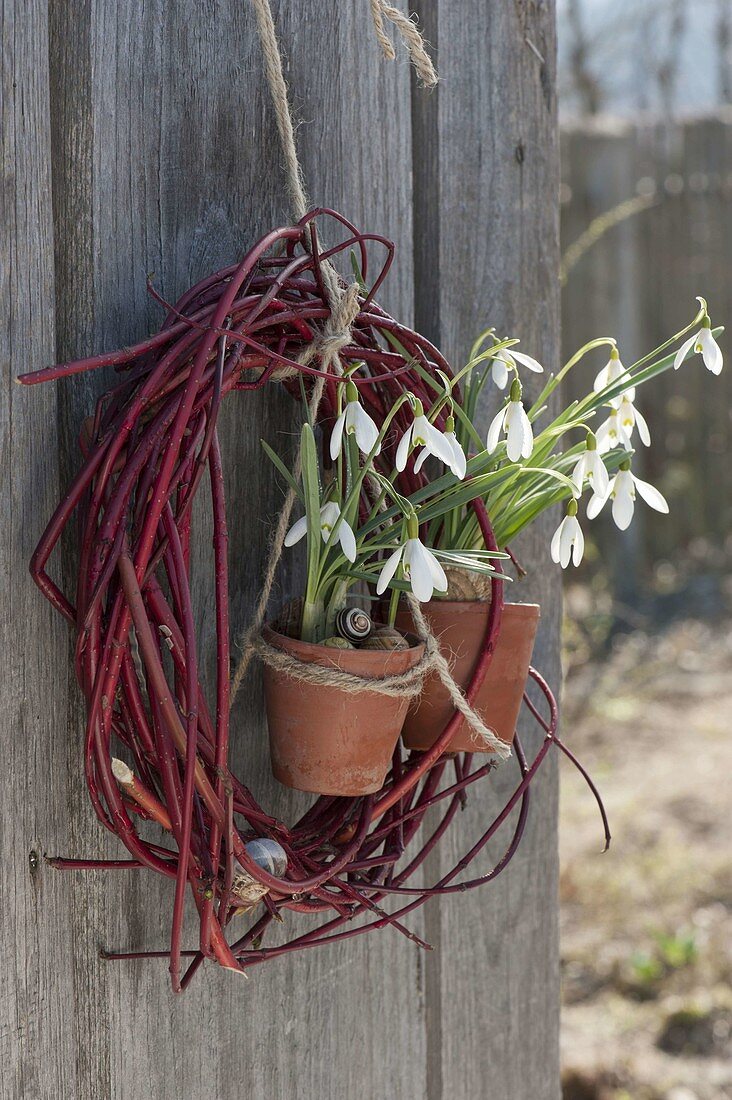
(336,335)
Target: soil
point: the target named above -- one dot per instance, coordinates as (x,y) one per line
(647,927)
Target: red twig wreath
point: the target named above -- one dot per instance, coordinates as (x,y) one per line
(152,440)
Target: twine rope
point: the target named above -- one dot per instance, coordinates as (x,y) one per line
(328,345)
(410,36)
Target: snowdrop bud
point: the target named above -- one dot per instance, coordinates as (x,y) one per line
(351,391)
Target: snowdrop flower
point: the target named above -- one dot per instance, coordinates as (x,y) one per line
(612,372)
(611,433)
(505,361)
(355,421)
(512,420)
(590,467)
(630,418)
(568,541)
(421,433)
(330,517)
(419,565)
(459,462)
(622,492)
(705,345)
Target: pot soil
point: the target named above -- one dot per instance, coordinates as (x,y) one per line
(326,740)
(460,627)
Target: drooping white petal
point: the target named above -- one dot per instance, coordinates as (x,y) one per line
(402,453)
(565,541)
(603,378)
(683,351)
(336,436)
(580,470)
(711,352)
(499,372)
(417,568)
(527,361)
(623,495)
(494,431)
(422,457)
(597,473)
(556,542)
(597,502)
(459,465)
(439,578)
(643,429)
(514,432)
(578,541)
(364,428)
(438,444)
(388,570)
(297,531)
(519,436)
(651,495)
(347,540)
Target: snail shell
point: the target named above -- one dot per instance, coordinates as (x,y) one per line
(271,857)
(267,854)
(336,642)
(385,637)
(461,586)
(353,623)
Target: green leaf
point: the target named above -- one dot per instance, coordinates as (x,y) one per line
(279,464)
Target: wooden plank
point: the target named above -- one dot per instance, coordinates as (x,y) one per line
(36,1048)
(490,256)
(165,160)
(638,282)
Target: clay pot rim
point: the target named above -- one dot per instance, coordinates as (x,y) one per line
(317,653)
(530,609)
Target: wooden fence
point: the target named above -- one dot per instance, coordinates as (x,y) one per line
(139,138)
(638,282)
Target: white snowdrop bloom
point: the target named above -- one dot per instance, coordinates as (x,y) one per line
(704,344)
(590,467)
(421,433)
(354,420)
(506,360)
(612,372)
(330,517)
(622,492)
(459,464)
(420,566)
(611,434)
(512,420)
(630,418)
(568,542)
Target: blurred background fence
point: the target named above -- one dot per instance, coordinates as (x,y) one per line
(646,226)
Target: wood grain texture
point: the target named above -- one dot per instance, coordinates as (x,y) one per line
(638,283)
(35,1046)
(490,257)
(157,127)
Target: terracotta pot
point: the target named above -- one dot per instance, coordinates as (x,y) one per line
(460,626)
(326,740)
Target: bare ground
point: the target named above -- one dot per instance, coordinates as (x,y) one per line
(647,927)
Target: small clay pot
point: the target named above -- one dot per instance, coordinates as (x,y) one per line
(460,626)
(326,740)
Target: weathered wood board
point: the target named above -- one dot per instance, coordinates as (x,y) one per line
(136,139)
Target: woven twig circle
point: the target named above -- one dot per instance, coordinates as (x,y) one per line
(151,442)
